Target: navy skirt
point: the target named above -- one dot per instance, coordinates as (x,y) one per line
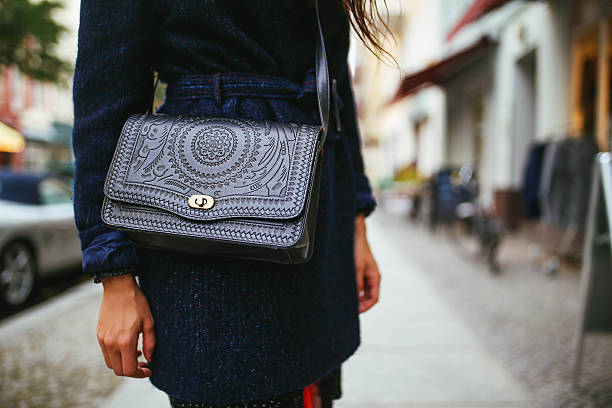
(229,330)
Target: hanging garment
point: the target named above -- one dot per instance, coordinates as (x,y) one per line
(548,163)
(531,180)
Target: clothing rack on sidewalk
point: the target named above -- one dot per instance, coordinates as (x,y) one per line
(556,188)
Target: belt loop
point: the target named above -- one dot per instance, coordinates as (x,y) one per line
(216,83)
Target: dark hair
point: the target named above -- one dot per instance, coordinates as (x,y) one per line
(368,24)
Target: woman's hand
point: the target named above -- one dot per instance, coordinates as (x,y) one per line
(368,276)
(124,313)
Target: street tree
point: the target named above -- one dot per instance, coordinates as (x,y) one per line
(28,37)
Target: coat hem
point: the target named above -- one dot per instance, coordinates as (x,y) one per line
(336,362)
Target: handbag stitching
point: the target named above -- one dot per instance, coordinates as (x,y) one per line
(296,184)
(122,216)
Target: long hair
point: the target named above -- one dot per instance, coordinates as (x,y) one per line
(369,25)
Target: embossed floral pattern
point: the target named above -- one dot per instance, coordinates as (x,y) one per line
(214,146)
(266,172)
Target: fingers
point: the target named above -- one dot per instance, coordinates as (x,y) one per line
(365,305)
(371,282)
(116,364)
(112,356)
(122,357)
(143,370)
(105,353)
(127,345)
(359,275)
(148,338)
(124,314)
(360,267)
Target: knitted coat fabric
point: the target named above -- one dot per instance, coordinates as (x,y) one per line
(227,330)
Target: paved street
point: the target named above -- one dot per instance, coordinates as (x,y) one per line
(49,289)
(416,351)
(49,355)
(522,317)
(446,334)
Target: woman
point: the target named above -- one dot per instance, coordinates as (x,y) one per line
(219,331)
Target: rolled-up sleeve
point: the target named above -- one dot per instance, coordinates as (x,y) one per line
(365,202)
(112,80)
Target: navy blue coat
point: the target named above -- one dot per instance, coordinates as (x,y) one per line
(227,330)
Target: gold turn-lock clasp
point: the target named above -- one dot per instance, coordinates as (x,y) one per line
(201,201)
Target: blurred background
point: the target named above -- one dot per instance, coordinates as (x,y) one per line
(492,230)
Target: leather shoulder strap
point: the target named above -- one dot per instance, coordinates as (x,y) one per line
(322,73)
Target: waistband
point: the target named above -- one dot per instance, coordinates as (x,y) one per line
(233,84)
(221,85)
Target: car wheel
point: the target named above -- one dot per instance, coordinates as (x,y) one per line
(17,273)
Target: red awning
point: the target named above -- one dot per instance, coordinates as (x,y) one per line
(442,70)
(477,10)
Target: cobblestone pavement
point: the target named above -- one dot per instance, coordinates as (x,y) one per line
(49,355)
(522,316)
(416,351)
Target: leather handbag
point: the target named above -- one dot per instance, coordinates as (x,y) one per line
(231,187)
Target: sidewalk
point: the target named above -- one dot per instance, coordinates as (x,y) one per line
(415,351)
(49,355)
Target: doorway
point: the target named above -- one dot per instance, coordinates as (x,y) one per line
(524,113)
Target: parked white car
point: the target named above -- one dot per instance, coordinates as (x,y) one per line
(38,237)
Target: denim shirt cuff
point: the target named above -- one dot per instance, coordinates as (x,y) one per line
(97,276)
(110,254)
(365,203)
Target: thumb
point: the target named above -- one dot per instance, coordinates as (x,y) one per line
(148,338)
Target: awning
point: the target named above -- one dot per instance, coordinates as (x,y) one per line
(441,71)
(476,10)
(11,141)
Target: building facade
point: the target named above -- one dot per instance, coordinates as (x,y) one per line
(482,81)
(41,112)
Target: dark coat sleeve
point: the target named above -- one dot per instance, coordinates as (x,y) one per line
(112,80)
(365,201)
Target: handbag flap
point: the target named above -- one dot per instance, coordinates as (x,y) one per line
(250,169)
